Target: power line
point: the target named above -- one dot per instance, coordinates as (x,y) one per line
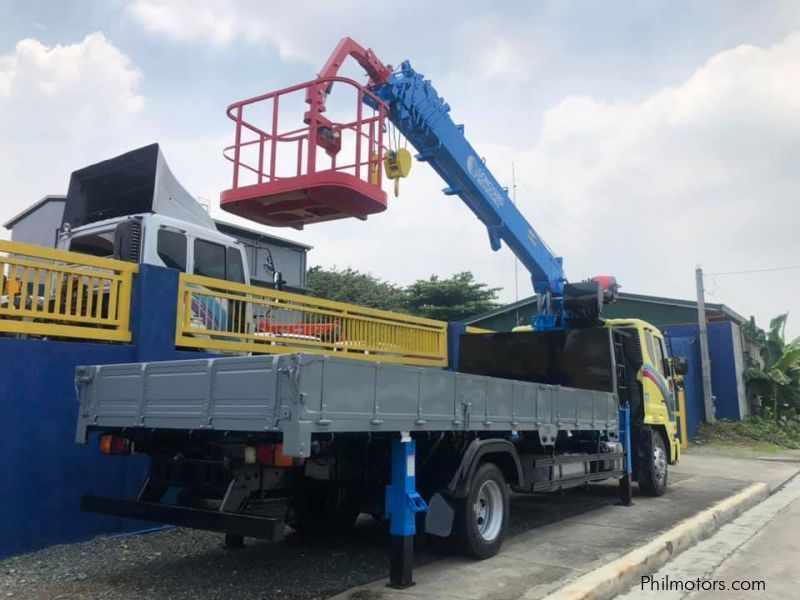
(756,271)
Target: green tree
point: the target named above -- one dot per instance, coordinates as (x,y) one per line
(354,287)
(451,299)
(778,381)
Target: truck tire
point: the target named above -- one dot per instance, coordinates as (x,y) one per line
(481,519)
(653,473)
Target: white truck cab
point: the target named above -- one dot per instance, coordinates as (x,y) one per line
(132,208)
(156,239)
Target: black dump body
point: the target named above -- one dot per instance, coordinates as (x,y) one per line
(136,182)
(578,358)
(123,185)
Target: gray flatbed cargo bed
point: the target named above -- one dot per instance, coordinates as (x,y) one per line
(301,394)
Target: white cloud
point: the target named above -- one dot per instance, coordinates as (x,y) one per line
(215,21)
(294,32)
(63,106)
(506,60)
(308,31)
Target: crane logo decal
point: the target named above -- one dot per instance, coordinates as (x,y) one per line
(480,175)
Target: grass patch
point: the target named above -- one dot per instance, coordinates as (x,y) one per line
(754,433)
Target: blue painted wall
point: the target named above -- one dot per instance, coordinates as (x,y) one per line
(43,472)
(725,382)
(724,378)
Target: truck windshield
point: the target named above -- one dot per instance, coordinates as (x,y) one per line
(96,244)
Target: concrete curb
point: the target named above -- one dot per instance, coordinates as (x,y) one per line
(620,574)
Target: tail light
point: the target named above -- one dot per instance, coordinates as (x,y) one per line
(271,455)
(115,444)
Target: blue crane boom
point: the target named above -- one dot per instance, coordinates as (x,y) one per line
(422,116)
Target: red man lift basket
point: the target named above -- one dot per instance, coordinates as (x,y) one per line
(327,169)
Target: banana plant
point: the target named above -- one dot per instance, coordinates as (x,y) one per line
(778,380)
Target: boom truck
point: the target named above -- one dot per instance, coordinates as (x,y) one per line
(248,445)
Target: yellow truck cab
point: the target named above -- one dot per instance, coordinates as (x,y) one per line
(654,439)
(659,381)
(650,380)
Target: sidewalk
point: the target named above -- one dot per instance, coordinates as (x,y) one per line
(542,560)
(762,545)
(771,556)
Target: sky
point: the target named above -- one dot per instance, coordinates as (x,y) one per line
(646,138)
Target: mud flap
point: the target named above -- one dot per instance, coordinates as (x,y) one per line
(440,516)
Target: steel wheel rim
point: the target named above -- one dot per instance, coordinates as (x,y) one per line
(489,510)
(660,463)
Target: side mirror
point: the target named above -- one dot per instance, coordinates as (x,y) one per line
(128,241)
(680,364)
(278,281)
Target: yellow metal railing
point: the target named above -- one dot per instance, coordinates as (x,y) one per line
(56,293)
(217,315)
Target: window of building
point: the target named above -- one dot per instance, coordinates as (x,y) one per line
(171,248)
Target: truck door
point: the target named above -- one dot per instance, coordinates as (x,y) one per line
(656,372)
(218,261)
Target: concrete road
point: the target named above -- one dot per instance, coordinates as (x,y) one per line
(541,560)
(757,553)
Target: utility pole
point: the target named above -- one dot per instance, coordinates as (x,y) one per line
(705,361)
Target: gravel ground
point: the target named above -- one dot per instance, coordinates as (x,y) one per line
(183,564)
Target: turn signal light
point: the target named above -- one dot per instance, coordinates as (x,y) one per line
(271,455)
(114,444)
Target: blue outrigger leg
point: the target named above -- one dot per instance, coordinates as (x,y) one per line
(625,492)
(402,505)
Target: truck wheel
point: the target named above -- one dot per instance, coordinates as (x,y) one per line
(482,517)
(653,475)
